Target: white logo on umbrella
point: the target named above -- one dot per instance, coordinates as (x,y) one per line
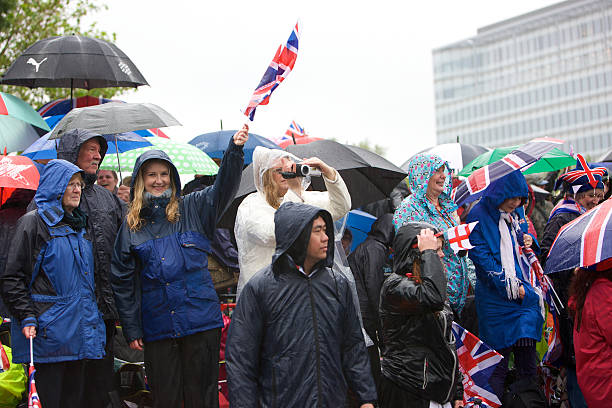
(124,68)
(13,171)
(32,61)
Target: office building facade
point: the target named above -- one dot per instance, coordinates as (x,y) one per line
(545,73)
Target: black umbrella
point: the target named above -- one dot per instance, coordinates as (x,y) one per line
(73,61)
(368,176)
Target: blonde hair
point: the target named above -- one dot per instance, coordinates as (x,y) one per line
(134,221)
(270,189)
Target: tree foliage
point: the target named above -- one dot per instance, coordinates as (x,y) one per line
(378,149)
(23,22)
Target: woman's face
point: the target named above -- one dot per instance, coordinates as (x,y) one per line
(156,177)
(435,185)
(510,204)
(72,195)
(590,199)
(282,165)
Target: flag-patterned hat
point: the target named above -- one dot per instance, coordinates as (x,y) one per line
(582,178)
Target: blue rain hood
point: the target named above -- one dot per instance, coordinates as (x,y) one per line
(51,189)
(155,155)
(510,186)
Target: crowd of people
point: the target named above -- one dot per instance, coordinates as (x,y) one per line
(89,252)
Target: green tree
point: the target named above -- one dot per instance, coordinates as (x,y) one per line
(378,149)
(23,22)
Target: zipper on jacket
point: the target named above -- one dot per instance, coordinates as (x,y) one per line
(316,334)
(425,373)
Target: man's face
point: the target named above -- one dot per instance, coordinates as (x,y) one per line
(317,246)
(107,180)
(89,156)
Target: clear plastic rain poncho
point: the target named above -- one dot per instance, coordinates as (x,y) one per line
(254,228)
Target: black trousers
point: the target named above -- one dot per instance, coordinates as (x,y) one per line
(61,385)
(99,374)
(184,370)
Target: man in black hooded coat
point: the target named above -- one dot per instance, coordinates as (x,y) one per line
(105,213)
(295,338)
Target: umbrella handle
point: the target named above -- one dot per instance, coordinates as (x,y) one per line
(117,152)
(31,351)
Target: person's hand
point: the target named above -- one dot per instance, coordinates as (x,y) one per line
(427,240)
(29,331)
(241,136)
(123,192)
(136,344)
(521,292)
(368,405)
(458,404)
(527,240)
(317,163)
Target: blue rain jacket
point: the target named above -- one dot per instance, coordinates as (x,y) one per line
(49,280)
(160,273)
(501,321)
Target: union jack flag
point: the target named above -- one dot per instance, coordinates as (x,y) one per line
(280,67)
(33,400)
(459,237)
(5,363)
(519,158)
(553,338)
(477,361)
(295,130)
(583,174)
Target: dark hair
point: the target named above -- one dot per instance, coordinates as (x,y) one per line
(579,288)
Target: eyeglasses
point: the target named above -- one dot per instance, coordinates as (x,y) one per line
(75,184)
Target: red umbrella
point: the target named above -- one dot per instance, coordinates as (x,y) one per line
(299,140)
(16,172)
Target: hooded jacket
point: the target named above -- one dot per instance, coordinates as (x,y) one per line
(366,262)
(160,273)
(49,280)
(105,213)
(501,321)
(295,340)
(418,347)
(416,207)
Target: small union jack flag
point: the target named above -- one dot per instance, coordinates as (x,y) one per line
(280,67)
(459,237)
(583,174)
(477,361)
(295,130)
(33,399)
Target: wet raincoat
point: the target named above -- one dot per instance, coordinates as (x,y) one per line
(416,207)
(160,273)
(49,280)
(254,228)
(502,321)
(295,340)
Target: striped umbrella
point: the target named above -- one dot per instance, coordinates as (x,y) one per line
(584,242)
(188,159)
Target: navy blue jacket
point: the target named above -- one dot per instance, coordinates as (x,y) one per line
(295,340)
(49,280)
(160,273)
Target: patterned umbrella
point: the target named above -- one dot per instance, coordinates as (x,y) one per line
(188,159)
(584,242)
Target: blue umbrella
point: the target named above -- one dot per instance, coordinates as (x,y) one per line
(215,143)
(44,148)
(360,223)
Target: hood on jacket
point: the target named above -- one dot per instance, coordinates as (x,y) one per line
(420,169)
(292,229)
(510,186)
(155,155)
(70,144)
(51,189)
(264,159)
(383,230)
(404,254)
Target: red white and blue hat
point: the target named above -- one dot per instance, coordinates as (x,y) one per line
(582,178)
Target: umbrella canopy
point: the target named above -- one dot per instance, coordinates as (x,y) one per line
(188,159)
(215,143)
(553,160)
(15,134)
(456,154)
(360,223)
(114,117)
(44,148)
(368,176)
(607,157)
(298,141)
(16,172)
(583,242)
(63,106)
(472,188)
(14,107)
(73,61)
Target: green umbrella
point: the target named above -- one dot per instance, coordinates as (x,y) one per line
(555,159)
(14,107)
(188,159)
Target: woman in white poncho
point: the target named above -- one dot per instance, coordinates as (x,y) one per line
(254,228)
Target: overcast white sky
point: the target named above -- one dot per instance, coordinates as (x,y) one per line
(364,69)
